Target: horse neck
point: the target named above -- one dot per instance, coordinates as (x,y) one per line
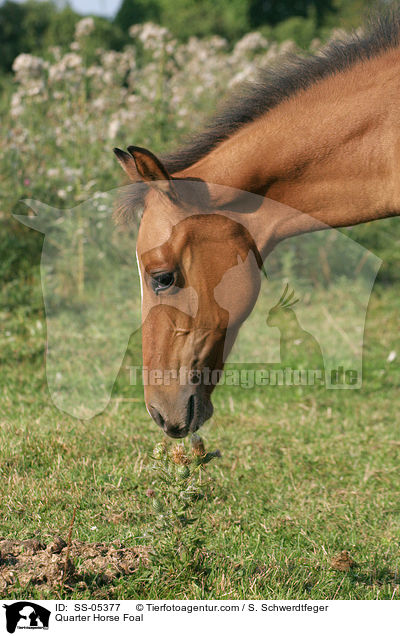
(330,151)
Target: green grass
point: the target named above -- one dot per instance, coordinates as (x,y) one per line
(304,474)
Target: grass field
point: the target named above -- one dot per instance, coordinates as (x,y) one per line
(305,473)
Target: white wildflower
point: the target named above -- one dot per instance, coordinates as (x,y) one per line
(315,44)
(339,34)
(113,128)
(72,60)
(288,47)
(28,66)
(94,71)
(84,27)
(151,35)
(17,107)
(218,43)
(248,73)
(251,42)
(109,59)
(53,172)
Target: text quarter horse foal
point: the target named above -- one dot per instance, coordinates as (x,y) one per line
(321,135)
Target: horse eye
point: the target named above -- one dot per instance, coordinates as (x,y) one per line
(162,281)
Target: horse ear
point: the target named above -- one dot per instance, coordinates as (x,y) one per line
(128,164)
(148,166)
(152,171)
(141,164)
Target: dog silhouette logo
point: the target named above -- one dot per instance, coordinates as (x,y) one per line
(26,615)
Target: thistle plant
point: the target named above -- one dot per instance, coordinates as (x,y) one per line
(179,492)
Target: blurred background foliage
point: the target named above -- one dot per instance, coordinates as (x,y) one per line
(36,25)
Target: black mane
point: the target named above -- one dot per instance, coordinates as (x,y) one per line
(276,85)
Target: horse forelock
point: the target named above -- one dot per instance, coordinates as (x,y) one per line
(131,201)
(129,206)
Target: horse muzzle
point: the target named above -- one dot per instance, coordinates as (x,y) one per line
(181,414)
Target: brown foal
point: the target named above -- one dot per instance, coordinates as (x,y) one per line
(326,143)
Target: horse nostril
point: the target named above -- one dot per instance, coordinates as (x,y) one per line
(157,417)
(190,411)
(173,431)
(176,428)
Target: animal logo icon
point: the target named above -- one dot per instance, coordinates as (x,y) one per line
(298,348)
(26,615)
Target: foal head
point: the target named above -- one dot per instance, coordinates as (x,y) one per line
(200,273)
